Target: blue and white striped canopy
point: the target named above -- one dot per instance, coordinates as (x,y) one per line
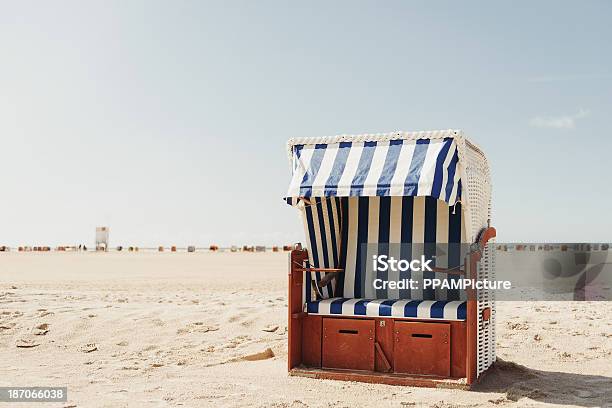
(417,167)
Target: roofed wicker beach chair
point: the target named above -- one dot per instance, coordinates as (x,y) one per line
(402,195)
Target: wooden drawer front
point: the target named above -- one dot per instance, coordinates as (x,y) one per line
(422,348)
(348,343)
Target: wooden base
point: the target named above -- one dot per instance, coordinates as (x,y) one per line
(379,378)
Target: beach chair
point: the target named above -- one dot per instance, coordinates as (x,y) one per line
(366,194)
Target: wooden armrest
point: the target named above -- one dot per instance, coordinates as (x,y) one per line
(485,235)
(483,238)
(475,252)
(319,270)
(454,271)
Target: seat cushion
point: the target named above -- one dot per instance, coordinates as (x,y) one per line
(418,309)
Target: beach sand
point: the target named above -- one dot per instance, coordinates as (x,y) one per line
(209,329)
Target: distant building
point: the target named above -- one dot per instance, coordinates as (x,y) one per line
(101,238)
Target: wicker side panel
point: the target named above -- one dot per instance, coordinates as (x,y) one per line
(486,298)
(477,189)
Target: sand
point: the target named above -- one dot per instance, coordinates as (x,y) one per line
(209,329)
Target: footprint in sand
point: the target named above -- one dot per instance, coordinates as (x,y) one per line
(26,343)
(197,327)
(236,341)
(41,329)
(6,326)
(235,318)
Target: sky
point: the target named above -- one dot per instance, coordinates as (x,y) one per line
(167,121)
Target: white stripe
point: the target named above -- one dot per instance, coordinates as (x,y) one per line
(352,163)
(429,168)
(348,307)
(442,242)
(328,238)
(397,310)
(378,162)
(317,231)
(318,185)
(418,237)
(351,256)
(325,305)
(403,168)
(373,306)
(395,238)
(450,309)
(371,249)
(336,213)
(298,174)
(424,309)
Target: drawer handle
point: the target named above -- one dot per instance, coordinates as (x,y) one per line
(425,336)
(346,331)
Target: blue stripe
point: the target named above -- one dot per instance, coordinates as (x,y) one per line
(297,150)
(452,168)
(411,185)
(410,310)
(344,229)
(313,170)
(459,189)
(332,202)
(462,311)
(429,246)
(384,181)
(436,188)
(436,311)
(363,168)
(336,306)
(406,240)
(307,286)
(362,240)
(312,307)
(384,225)
(331,185)
(360,307)
(454,247)
(386,307)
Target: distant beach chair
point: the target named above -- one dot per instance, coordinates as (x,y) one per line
(397,193)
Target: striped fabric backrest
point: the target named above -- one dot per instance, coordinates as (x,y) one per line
(337,229)
(398,220)
(322,225)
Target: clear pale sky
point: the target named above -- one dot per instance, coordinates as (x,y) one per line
(167,121)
